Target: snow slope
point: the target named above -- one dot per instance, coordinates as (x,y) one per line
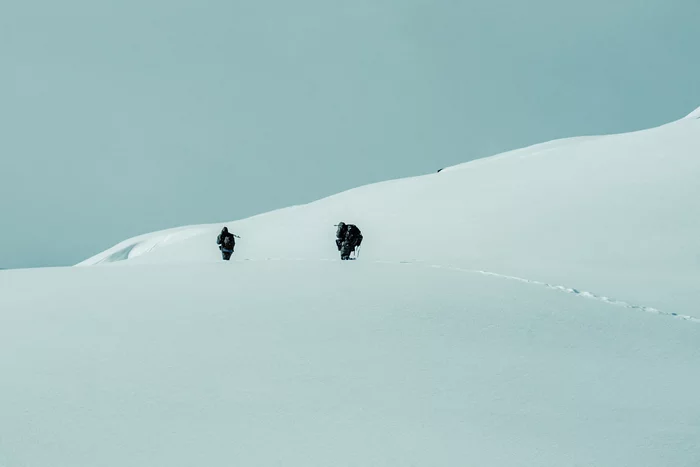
(694,114)
(318,363)
(536,308)
(613,215)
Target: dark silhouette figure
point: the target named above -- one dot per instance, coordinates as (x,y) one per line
(227,242)
(347,238)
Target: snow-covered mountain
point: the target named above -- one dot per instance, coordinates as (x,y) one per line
(694,114)
(536,308)
(615,215)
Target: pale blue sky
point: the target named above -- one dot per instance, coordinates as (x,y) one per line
(123,117)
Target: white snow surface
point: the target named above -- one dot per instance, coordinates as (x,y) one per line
(694,114)
(614,215)
(536,308)
(318,363)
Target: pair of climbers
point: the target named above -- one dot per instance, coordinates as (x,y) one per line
(348,239)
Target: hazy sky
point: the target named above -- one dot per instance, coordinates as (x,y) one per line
(123,117)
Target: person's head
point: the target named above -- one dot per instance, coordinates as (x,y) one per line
(341,224)
(225,230)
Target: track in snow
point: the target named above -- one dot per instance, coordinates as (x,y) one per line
(559,288)
(573,291)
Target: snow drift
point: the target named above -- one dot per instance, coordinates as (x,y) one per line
(615,215)
(536,308)
(317,363)
(694,114)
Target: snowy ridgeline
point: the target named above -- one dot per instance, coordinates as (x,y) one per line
(613,215)
(694,114)
(537,308)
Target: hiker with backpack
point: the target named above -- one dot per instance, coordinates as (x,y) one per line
(347,238)
(227,242)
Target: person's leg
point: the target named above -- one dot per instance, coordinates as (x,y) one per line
(345,251)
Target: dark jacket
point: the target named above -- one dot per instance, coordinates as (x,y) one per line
(342,230)
(226,240)
(348,233)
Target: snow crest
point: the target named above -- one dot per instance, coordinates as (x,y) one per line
(695,114)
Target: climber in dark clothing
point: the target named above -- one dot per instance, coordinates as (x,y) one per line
(227,242)
(347,238)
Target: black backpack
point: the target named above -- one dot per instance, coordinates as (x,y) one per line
(228,241)
(353,231)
